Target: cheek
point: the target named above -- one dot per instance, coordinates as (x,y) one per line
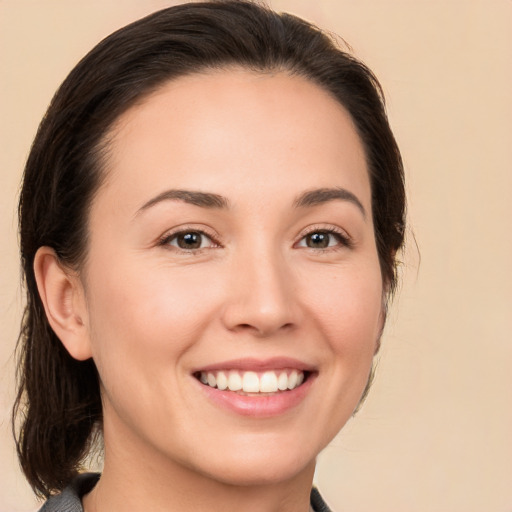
(141,322)
(348,305)
(347,308)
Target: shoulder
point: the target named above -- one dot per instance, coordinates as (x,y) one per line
(70,499)
(317,502)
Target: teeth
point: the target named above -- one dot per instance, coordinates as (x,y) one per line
(282,381)
(268,382)
(292,380)
(212,381)
(222,380)
(234,381)
(252,382)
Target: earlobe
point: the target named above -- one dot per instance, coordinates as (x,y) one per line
(61,292)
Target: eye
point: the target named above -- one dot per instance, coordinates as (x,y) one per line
(189,240)
(323,239)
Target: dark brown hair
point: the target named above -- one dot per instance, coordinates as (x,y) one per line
(58,404)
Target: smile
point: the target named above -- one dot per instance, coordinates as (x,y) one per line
(255,387)
(270,381)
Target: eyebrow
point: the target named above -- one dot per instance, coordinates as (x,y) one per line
(202,199)
(215,201)
(323,195)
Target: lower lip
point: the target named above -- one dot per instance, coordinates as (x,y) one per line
(262,406)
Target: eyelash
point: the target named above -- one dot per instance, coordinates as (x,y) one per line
(342,238)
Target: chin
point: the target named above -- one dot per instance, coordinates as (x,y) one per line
(259,463)
(273,471)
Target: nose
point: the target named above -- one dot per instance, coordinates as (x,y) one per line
(260,297)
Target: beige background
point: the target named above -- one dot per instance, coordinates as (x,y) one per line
(436,432)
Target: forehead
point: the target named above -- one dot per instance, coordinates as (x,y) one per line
(215,130)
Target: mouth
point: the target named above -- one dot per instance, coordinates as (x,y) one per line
(256,388)
(253,382)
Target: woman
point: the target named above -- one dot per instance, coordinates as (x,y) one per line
(209,221)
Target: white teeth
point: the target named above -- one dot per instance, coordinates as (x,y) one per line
(212,381)
(222,381)
(252,382)
(268,382)
(234,381)
(282,381)
(292,379)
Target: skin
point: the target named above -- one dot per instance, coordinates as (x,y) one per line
(150,313)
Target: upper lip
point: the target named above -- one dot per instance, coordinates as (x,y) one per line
(254,364)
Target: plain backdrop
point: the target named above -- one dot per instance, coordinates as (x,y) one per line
(436,432)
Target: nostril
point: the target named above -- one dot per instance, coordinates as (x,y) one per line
(261,329)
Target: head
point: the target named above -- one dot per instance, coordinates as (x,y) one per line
(76,154)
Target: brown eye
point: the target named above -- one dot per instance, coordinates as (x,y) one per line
(189,240)
(318,240)
(323,239)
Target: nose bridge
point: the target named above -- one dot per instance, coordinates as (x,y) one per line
(260,295)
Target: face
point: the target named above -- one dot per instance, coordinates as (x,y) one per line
(232,286)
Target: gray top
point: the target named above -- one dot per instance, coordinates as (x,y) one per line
(70,500)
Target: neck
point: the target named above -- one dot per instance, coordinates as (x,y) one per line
(153,482)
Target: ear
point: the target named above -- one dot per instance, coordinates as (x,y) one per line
(62,294)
